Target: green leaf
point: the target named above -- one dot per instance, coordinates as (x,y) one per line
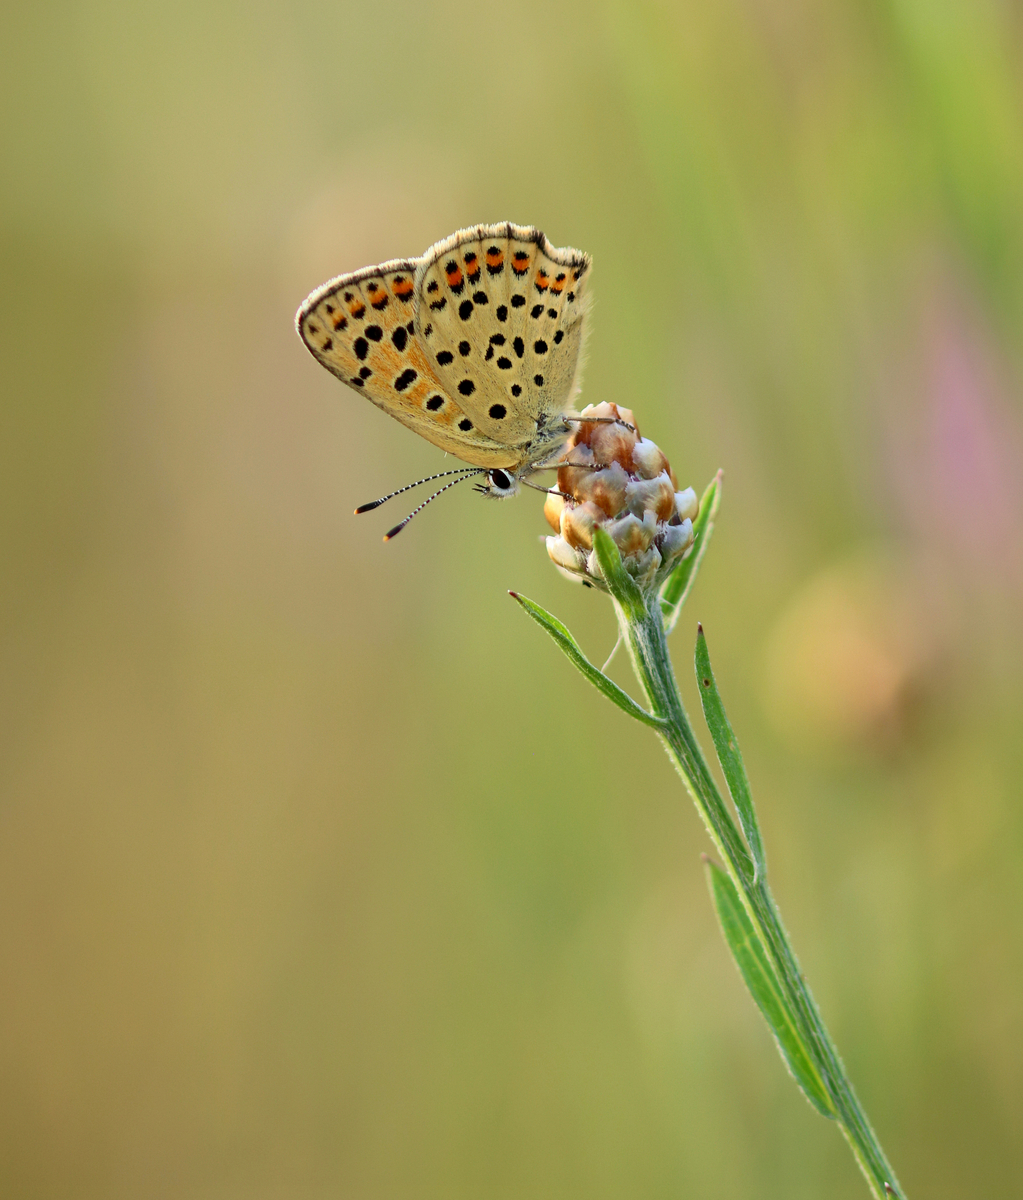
(619,582)
(680,582)
(729,755)
(758,974)
(597,677)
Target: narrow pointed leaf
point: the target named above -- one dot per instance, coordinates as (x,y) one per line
(620,583)
(729,755)
(680,582)
(756,970)
(597,677)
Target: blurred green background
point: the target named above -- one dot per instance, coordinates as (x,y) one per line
(321,872)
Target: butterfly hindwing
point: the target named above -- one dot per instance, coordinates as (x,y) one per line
(361,328)
(501,313)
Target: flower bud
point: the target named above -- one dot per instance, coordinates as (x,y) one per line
(613,478)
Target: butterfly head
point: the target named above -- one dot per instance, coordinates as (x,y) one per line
(498,484)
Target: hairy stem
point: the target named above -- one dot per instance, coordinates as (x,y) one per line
(643,633)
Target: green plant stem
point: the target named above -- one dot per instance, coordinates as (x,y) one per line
(643,630)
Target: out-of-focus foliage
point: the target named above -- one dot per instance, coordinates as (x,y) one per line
(311,882)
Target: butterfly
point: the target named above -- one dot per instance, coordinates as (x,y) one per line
(475,346)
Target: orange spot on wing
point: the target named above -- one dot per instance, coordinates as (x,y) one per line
(542,280)
(454,277)
(495,259)
(402,287)
(558,283)
(357,308)
(520,262)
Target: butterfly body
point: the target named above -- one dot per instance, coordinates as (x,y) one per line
(475,346)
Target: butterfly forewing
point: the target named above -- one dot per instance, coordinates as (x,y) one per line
(361,328)
(475,346)
(501,313)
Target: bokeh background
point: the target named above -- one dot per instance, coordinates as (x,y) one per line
(321,872)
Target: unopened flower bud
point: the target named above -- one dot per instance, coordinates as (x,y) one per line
(613,478)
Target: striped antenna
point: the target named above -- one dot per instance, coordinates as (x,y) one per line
(440,491)
(429,479)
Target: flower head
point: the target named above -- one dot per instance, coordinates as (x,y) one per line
(614,478)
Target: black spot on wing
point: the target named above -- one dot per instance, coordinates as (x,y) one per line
(454,273)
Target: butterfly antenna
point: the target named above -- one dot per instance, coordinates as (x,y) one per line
(440,492)
(429,479)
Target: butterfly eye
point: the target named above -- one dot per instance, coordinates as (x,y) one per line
(501,480)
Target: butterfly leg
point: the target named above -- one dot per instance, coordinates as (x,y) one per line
(556,466)
(603,421)
(552,491)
